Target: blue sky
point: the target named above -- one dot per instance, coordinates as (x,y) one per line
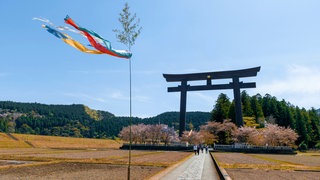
(180,36)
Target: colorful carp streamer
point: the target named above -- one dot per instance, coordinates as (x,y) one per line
(67,39)
(101,45)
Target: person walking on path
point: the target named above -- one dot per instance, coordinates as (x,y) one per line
(195,147)
(198,149)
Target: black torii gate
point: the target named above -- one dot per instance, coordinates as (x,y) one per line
(236,85)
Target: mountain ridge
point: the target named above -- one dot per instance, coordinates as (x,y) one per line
(78,120)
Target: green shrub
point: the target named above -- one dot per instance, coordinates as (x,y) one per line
(303,146)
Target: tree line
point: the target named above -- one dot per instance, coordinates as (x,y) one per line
(78,120)
(228,133)
(151,134)
(258,111)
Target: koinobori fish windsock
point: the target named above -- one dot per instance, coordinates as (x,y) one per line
(101,45)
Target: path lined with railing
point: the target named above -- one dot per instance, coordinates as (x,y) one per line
(197,167)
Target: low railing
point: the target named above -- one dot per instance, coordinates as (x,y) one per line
(162,147)
(253,149)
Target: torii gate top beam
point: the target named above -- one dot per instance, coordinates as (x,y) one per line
(212,75)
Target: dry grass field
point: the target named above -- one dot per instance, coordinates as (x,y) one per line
(28,141)
(270,166)
(48,157)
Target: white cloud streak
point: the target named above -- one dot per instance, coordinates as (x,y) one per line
(300,85)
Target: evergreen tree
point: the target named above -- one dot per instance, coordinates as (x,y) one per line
(290,116)
(301,127)
(315,127)
(3,124)
(221,109)
(281,118)
(269,106)
(246,104)
(257,110)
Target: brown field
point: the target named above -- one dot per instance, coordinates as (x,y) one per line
(61,142)
(83,164)
(269,166)
(48,157)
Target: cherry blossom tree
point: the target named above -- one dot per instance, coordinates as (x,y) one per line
(168,134)
(192,137)
(223,131)
(248,135)
(279,136)
(155,134)
(138,133)
(207,137)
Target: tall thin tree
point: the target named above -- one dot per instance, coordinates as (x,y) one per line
(127,35)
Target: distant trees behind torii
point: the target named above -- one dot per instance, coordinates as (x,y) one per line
(267,121)
(258,111)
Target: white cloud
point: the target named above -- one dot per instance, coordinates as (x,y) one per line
(205,98)
(118,96)
(140,98)
(300,85)
(136,98)
(85,97)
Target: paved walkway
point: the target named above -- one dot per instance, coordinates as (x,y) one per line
(197,167)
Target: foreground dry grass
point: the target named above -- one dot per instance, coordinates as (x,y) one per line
(78,171)
(267,166)
(37,141)
(48,157)
(83,164)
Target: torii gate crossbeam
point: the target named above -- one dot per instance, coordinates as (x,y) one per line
(236,85)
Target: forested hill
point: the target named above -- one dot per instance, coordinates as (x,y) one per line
(78,120)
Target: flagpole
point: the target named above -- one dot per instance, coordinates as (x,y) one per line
(130,119)
(127,36)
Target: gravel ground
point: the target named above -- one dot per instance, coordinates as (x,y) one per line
(296,159)
(232,158)
(264,166)
(249,174)
(78,171)
(82,154)
(84,164)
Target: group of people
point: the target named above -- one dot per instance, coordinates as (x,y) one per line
(197,148)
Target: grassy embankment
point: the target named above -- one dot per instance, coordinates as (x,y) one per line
(22,151)
(36,141)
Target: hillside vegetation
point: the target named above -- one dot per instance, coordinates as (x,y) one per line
(78,120)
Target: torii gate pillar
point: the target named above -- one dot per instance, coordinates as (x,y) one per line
(236,85)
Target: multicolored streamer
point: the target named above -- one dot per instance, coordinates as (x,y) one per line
(67,39)
(105,49)
(101,45)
